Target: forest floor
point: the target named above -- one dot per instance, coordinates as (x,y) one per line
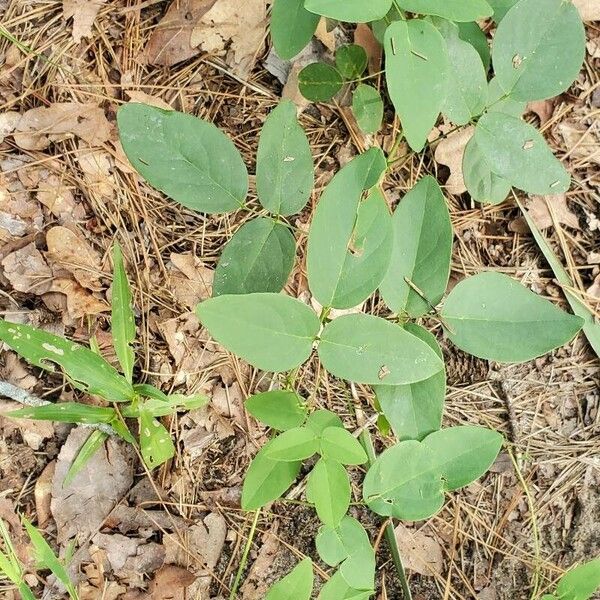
(67,193)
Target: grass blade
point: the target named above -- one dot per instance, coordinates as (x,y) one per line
(89,448)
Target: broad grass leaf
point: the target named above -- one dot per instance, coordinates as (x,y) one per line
(518,153)
(581,582)
(368,349)
(494,317)
(188,159)
(473,34)
(415,410)
(156,445)
(266,479)
(298,443)
(258,258)
(320,420)
(66,412)
(279,409)
(94,442)
(351,61)
(350,239)
(319,82)
(297,584)
(351,11)
(454,10)
(421,250)
(464,453)
(292,27)
(328,488)
(416,66)
(284,163)
(340,445)
(86,369)
(367,107)
(271,331)
(159,407)
(404,483)
(123,321)
(538,49)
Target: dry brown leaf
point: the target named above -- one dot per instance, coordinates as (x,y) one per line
(142,97)
(594,289)
(538,210)
(96,166)
(363,36)
(190,280)
(581,142)
(450,152)
(34,433)
(544,109)
(291,90)
(327,38)
(588,9)
(39,127)
(420,552)
(27,270)
(8,122)
(43,494)
(80,508)
(84,13)
(169,583)
(59,199)
(257,581)
(15,372)
(228,401)
(80,302)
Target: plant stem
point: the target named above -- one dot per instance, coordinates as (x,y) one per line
(238,575)
(390,535)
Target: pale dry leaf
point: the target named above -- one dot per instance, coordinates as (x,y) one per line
(34,433)
(27,270)
(582,143)
(108,590)
(8,122)
(81,507)
(228,401)
(84,13)
(258,579)
(450,152)
(588,9)
(43,494)
(143,98)
(58,198)
(80,301)
(169,583)
(544,109)
(19,213)
(421,553)
(594,290)
(15,372)
(291,90)
(538,210)
(96,166)
(190,281)
(327,38)
(200,427)
(363,36)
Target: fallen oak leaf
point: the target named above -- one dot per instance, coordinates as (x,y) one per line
(84,13)
(27,270)
(450,152)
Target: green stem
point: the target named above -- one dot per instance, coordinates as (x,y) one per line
(238,575)
(390,535)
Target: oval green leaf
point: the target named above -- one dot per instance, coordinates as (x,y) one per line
(340,445)
(284,164)
(493,316)
(295,444)
(188,159)
(271,331)
(501,7)
(279,409)
(297,584)
(351,11)
(328,488)
(258,258)
(581,582)
(321,419)
(454,10)
(368,349)
(351,61)
(367,107)
(319,82)
(473,34)
(292,27)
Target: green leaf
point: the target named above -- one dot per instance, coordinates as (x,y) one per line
(463,454)
(350,240)
(367,107)
(358,570)
(149,391)
(319,82)
(581,582)
(328,488)
(258,258)
(294,444)
(454,10)
(493,316)
(65,412)
(86,370)
(284,163)
(273,332)
(93,443)
(292,27)
(351,61)
(156,445)
(368,349)
(472,33)
(549,597)
(171,404)
(499,101)
(416,65)
(501,7)
(421,251)
(267,479)
(123,321)
(122,430)
(188,159)
(404,483)
(320,420)
(526,59)
(336,588)
(340,445)
(518,153)
(279,409)
(415,410)
(336,544)
(351,11)
(296,585)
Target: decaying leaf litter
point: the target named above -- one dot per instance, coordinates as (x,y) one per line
(66,191)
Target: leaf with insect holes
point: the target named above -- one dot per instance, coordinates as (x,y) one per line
(65,412)
(123,321)
(534,63)
(188,159)
(319,82)
(340,445)
(294,444)
(463,454)
(297,584)
(416,66)
(156,445)
(94,442)
(292,27)
(473,34)
(518,153)
(258,258)
(279,409)
(494,317)
(421,251)
(454,10)
(404,483)
(581,582)
(368,349)
(273,332)
(328,488)
(350,239)
(351,11)
(86,369)
(351,61)
(267,479)
(367,107)
(284,163)
(415,410)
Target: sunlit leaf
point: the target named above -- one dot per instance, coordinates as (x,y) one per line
(328,488)
(297,584)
